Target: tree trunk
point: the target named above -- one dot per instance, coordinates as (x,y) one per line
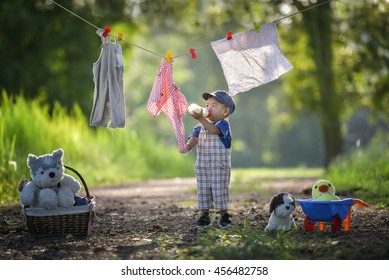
(317,22)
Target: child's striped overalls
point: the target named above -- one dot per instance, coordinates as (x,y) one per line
(213,171)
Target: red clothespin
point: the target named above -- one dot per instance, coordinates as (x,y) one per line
(193,53)
(107,29)
(229,35)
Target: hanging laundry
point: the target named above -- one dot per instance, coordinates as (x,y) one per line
(251,58)
(108,98)
(166,97)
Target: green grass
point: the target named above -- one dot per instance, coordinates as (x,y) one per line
(101,155)
(252,243)
(237,244)
(364,171)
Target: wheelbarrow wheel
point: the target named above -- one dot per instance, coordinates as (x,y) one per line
(308,224)
(336,223)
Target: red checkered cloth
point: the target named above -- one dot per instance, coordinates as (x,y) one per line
(166,97)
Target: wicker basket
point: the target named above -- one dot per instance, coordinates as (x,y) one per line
(77,220)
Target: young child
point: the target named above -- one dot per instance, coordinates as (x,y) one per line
(213,163)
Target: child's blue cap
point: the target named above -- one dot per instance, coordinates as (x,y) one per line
(223,97)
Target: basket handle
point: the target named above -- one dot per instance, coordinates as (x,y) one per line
(82,179)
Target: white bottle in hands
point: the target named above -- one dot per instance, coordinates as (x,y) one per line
(197,109)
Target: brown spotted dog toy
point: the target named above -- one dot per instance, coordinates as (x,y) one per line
(281,208)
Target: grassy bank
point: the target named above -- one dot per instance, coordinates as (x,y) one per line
(101,155)
(365,172)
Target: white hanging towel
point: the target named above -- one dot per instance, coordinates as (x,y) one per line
(108,100)
(251,58)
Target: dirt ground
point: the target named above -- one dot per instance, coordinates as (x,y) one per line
(131,219)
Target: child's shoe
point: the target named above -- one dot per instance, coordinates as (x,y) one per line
(204,221)
(225,221)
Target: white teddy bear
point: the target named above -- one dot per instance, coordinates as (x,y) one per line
(49,187)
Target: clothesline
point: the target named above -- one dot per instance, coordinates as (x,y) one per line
(184,53)
(91,24)
(245,62)
(256,26)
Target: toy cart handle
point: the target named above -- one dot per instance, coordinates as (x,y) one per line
(360,203)
(82,179)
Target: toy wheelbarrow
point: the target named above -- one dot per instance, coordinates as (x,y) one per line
(334,211)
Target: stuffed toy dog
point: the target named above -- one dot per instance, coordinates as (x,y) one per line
(50,187)
(281,208)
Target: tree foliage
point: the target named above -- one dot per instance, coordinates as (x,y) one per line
(363,51)
(335,48)
(339,51)
(49,51)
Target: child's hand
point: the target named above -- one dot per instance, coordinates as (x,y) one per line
(197,116)
(186,150)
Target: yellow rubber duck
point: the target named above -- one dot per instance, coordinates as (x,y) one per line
(324,190)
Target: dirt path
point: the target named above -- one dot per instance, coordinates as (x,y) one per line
(178,187)
(133,220)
